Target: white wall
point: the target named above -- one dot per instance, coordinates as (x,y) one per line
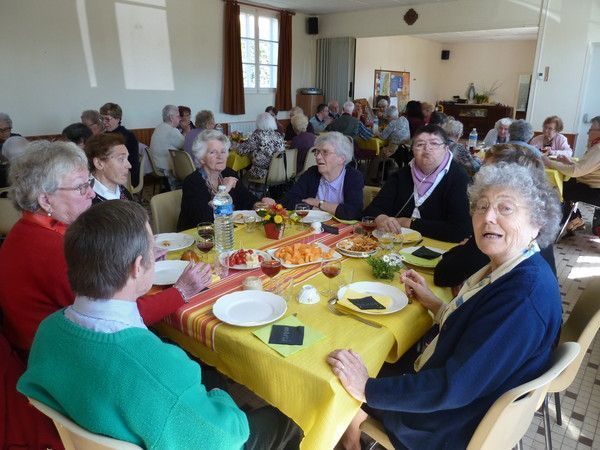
(44,78)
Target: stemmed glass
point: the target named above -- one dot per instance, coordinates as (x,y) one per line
(368,224)
(302,210)
(331,269)
(270,267)
(206,237)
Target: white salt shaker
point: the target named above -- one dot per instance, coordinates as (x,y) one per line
(308,295)
(317,228)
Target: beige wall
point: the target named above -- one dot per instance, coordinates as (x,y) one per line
(44,78)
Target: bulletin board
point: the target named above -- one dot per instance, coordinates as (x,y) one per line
(393,83)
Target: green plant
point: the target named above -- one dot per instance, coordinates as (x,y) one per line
(385,267)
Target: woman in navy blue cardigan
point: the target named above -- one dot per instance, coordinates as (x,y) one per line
(331,185)
(496,334)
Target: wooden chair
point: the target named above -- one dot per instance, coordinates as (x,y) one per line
(369,193)
(581,327)
(9,215)
(165,210)
(157,177)
(509,417)
(133,190)
(277,173)
(74,437)
(182,164)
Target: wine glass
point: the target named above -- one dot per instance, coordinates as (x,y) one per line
(270,267)
(302,210)
(331,269)
(261,209)
(206,237)
(368,224)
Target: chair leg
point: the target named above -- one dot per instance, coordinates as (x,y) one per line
(558,411)
(547,429)
(520,444)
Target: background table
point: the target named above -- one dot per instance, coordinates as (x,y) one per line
(237,162)
(302,385)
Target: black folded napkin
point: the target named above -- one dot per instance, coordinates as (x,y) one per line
(425,253)
(366,303)
(285,334)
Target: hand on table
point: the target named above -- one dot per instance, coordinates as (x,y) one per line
(268,201)
(311,201)
(195,277)
(416,288)
(388,224)
(348,366)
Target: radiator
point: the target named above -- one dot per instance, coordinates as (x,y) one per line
(242,127)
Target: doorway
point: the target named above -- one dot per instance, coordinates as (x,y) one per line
(590,103)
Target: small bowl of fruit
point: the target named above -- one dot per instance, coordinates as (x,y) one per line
(244,259)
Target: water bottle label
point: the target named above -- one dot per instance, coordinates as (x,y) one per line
(224,210)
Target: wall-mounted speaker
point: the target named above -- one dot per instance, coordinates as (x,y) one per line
(445,54)
(312,25)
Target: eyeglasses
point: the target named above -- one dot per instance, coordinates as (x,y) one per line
(5,130)
(504,207)
(421,145)
(323,153)
(82,188)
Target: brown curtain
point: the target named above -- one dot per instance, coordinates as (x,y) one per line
(283,96)
(233,80)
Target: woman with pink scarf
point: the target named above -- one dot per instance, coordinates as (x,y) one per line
(429,195)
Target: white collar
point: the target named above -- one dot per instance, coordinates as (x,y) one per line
(103,191)
(107,315)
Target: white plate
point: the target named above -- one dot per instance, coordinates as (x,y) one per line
(426,263)
(223,257)
(354,253)
(249,308)
(336,255)
(168,271)
(399,298)
(409,236)
(316,216)
(239,216)
(173,241)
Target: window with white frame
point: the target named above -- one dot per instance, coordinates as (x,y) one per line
(259,33)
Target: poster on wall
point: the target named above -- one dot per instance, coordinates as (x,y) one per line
(393,84)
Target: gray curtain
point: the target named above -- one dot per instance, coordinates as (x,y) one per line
(335,68)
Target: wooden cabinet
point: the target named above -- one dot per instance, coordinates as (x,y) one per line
(482,117)
(308,103)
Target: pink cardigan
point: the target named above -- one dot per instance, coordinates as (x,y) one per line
(559,144)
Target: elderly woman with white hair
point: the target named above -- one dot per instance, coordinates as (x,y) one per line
(13,148)
(262,144)
(497,333)
(454,130)
(5,128)
(499,134)
(166,136)
(331,185)
(290,133)
(210,151)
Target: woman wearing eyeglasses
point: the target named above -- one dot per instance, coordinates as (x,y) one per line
(51,186)
(331,185)
(429,195)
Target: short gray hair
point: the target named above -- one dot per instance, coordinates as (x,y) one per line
(520,130)
(204,118)
(92,116)
(453,128)
(41,169)
(505,121)
(265,121)
(299,123)
(342,145)
(382,103)
(348,107)
(14,147)
(392,112)
(542,202)
(6,119)
(169,111)
(200,144)
(102,244)
(595,120)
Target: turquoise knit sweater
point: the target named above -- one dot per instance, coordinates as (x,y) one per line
(131,386)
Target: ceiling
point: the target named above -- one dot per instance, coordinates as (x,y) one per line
(506,34)
(316,7)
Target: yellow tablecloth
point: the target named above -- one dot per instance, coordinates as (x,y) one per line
(302,385)
(556,179)
(237,162)
(375,144)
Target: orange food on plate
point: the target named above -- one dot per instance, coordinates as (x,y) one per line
(190,255)
(302,253)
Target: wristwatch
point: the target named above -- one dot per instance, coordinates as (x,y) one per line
(321,203)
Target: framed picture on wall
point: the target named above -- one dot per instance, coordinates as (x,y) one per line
(393,84)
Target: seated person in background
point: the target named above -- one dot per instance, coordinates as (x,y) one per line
(521,132)
(427,109)
(454,130)
(5,129)
(93,120)
(346,124)
(205,120)
(334,109)
(499,134)
(262,144)
(107,158)
(551,142)
(273,111)
(462,261)
(364,115)
(101,345)
(321,119)
(289,130)
(429,195)
(164,138)
(210,151)
(584,184)
(111,118)
(331,185)
(382,107)
(185,124)
(495,335)
(438,118)
(13,147)
(414,115)
(303,139)
(397,132)
(77,133)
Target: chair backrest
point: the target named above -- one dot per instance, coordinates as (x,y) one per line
(581,327)
(369,193)
(165,210)
(311,159)
(153,163)
(571,138)
(74,437)
(182,164)
(9,215)
(508,419)
(137,189)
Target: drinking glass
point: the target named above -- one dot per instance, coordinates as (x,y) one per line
(270,267)
(206,237)
(368,224)
(302,210)
(261,209)
(386,241)
(331,269)
(250,222)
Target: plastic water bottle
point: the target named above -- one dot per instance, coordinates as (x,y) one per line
(472,138)
(375,125)
(223,213)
